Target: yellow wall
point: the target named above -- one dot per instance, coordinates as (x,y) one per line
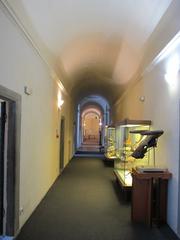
(67,112)
(129,105)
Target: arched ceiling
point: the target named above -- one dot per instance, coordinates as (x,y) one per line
(93,101)
(93,82)
(97,44)
(90,111)
(91,107)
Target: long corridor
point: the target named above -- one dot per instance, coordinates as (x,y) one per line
(85,204)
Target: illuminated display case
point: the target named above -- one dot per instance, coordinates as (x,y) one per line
(126,143)
(110,136)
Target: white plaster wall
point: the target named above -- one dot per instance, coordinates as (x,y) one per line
(161,104)
(162,107)
(21,66)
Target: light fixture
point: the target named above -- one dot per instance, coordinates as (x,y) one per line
(169,48)
(172,69)
(171,57)
(60,100)
(100,123)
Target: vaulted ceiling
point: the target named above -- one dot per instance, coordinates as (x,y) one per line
(97,45)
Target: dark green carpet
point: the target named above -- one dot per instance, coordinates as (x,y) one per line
(85,204)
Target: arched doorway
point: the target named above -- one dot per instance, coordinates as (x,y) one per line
(91,122)
(93,114)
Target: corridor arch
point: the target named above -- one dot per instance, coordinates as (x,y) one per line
(98,105)
(91,121)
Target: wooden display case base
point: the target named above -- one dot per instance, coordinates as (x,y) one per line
(149,197)
(126,189)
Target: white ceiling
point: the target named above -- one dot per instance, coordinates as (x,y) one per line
(59,22)
(108,34)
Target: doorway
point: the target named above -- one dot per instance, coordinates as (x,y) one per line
(2,140)
(10,106)
(178,216)
(91,121)
(62,134)
(90,128)
(85,134)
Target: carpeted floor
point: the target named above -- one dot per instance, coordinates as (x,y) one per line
(85,204)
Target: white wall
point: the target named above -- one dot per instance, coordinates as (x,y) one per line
(162,103)
(162,107)
(21,66)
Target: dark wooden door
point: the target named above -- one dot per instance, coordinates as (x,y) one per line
(62,129)
(2,135)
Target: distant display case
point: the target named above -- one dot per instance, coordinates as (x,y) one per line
(110,137)
(125,144)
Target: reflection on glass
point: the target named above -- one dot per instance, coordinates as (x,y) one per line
(125,144)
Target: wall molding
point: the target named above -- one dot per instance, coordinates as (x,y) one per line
(8,10)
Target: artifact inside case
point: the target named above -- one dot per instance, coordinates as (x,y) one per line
(110,151)
(128,138)
(149,142)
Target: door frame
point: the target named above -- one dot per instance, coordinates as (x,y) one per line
(61,144)
(178,216)
(2,163)
(13,160)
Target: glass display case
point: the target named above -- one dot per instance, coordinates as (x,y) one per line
(125,144)
(109,149)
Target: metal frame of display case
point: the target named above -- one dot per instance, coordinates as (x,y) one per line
(123,176)
(108,158)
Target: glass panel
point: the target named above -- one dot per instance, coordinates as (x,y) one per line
(125,144)
(110,142)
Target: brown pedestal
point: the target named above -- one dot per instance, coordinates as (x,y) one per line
(149,197)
